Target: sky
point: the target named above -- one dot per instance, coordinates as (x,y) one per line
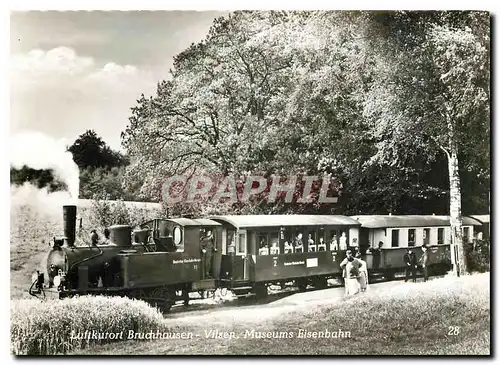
(73,71)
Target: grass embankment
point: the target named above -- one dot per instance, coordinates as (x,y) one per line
(52,327)
(440,317)
(402,319)
(31,231)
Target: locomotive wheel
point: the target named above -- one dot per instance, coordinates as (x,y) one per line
(162,298)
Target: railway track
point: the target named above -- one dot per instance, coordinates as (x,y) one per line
(217,301)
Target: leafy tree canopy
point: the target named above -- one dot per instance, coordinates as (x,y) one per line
(90,151)
(365,96)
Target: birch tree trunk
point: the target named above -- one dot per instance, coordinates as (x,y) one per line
(458,251)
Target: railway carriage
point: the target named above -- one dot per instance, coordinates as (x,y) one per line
(263,249)
(387,237)
(482,232)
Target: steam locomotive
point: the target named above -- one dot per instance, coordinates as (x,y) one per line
(164,260)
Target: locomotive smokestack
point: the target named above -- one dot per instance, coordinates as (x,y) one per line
(69,221)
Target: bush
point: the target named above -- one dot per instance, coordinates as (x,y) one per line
(478,255)
(104,213)
(45,328)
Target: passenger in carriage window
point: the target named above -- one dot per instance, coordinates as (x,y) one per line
(334,245)
(310,244)
(264,249)
(231,248)
(275,249)
(288,247)
(299,246)
(343,242)
(321,245)
(376,252)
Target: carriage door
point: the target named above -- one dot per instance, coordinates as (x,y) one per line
(243,252)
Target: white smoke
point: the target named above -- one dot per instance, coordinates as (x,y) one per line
(39,151)
(40,201)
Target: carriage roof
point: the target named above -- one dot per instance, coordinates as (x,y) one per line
(187,221)
(275,220)
(386,221)
(484,218)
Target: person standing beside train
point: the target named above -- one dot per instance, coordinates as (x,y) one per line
(424,259)
(410,260)
(207,248)
(350,272)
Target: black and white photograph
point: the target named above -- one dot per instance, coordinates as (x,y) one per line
(250,182)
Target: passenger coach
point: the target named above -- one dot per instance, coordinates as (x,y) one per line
(385,239)
(261,249)
(482,232)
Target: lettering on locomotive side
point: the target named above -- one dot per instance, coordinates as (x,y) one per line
(186,261)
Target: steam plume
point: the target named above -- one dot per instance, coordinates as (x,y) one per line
(39,151)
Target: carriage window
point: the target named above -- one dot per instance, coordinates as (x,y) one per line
(241,242)
(395,238)
(274,243)
(263,244)
(288,241)
(177,235)
(312,241)
(322,246)
(440,236)
(231,242)
(177,239)
(333,240)
(427,236)
(466,234)
(343,241)
(411,237)
(298,241)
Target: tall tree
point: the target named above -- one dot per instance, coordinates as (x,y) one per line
(431,93)
(90,151)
